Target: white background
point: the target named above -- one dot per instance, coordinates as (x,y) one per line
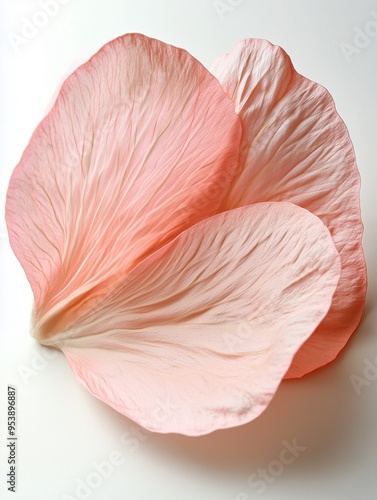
(62,430)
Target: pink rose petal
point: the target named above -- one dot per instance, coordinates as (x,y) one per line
(200,334)
(296,148)
(132,153)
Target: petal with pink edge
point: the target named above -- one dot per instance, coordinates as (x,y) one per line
(200,334)
(141,143)
(296,148)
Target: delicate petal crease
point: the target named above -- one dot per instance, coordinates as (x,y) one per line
(200,334)
(296,148)
(141,143)
(191,238)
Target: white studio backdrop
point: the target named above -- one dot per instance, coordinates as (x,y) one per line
(72,446)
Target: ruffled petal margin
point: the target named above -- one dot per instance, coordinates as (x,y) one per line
(296,148)
(142,142)
(200,334)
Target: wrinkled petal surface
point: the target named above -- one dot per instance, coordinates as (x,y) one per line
(140,144)
(296,148)
(200,334)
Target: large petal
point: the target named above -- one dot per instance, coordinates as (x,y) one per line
(200,334)
(140,144)
(296,148)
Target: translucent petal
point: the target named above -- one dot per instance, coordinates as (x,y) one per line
(296,148)
(140,144)
(200,334)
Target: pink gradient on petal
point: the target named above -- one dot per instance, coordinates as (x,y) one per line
(296,148)
(201,333)
(132,153)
